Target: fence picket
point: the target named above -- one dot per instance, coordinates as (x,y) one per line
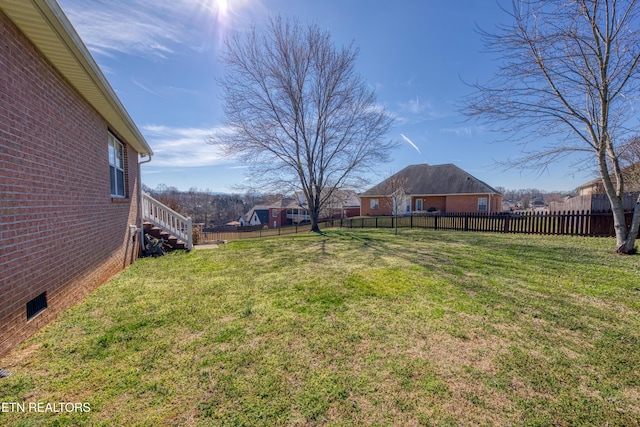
(569,223)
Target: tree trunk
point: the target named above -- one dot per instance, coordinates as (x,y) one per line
(629,246)
(625,239)
(314,213)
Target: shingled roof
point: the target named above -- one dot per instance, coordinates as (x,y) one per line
(430,180)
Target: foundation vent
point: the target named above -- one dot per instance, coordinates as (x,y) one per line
(36,305)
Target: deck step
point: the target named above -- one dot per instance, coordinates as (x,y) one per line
(171,242)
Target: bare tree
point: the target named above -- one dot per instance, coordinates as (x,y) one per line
(395,191)
(570,70)
(299,114)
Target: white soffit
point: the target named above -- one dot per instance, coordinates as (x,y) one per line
(48,28)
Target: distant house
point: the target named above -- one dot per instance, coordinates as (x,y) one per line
(592,197)
(292,211)
(258,215)
(430,188)
(69,171)
(343,204)
(340,204)
(272,215)
(631,175)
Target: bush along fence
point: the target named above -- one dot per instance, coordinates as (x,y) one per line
(571,223)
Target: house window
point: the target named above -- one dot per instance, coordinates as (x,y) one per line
(116,167)
(482,204)
(419,206)
(373,204)
(275,213)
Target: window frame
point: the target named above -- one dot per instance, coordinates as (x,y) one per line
(486,204)
(374,204)
(117,172)
(421,203)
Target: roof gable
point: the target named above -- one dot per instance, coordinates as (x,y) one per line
(426,179)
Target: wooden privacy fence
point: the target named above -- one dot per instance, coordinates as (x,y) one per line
(573,223)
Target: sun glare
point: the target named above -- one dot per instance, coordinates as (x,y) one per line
(225,15)
(221,8)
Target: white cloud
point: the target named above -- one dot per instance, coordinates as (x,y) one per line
(464,130)
(154,28)
(414,106)
(416,110)
(122,27)
(182,147)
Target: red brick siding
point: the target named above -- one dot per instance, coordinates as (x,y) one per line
(384,206)
(280,219)
(60,230)
(350,212)
(437,202)
(345,213)
(470,203)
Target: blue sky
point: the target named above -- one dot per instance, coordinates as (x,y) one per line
(161,57)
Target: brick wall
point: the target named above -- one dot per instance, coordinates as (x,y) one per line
(384,206)
(60,230)
(280,218)
(439,203)
(470,203)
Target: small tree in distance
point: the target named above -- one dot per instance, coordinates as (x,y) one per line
(298,114)
(395,190)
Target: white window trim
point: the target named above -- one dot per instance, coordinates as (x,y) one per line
(113,155)
(486,204)
(374,204)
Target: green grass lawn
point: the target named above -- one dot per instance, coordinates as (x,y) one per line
(349,328)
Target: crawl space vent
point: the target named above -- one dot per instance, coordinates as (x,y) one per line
(4,373)
(36,305)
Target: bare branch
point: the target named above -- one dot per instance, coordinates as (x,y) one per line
(299,114)
(569,72)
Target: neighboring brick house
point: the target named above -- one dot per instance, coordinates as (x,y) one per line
(430,188)
(69,171)
(292,211)
(339,204)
